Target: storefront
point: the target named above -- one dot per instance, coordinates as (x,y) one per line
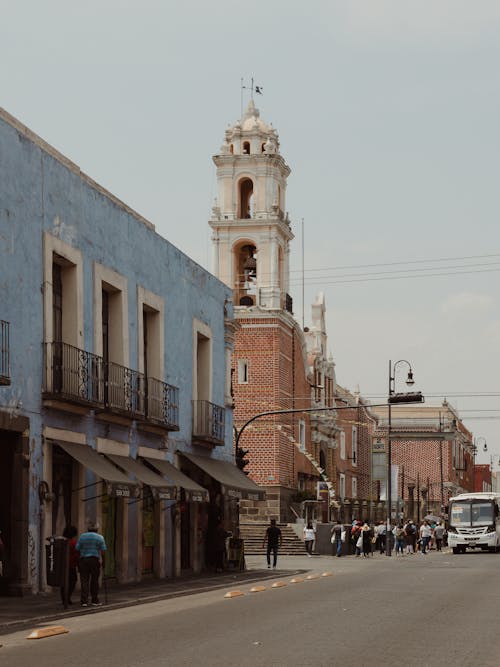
(150,505)
(227,485)
(102,495)
(187,515)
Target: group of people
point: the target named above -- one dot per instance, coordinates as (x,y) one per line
(86,555)
(410,539)
(407,536)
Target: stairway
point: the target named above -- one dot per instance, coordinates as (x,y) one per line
(253,535)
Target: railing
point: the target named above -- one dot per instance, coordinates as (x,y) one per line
(124,389)
(77,376)
(4,353)
(162,404)
(208,423)
(73,374)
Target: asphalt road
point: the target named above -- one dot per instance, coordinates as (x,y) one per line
(430,610)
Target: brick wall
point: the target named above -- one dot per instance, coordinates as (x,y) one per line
(273,348)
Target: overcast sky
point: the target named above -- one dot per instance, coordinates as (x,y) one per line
(388,116)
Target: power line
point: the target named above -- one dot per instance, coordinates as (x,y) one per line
(409,261)
(370,277)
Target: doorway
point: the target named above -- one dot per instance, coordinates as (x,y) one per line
(148,531)
(109,522)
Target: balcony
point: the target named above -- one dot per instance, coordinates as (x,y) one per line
(4,353)
(208,423)
(75,377)
(124,390)
(162,404)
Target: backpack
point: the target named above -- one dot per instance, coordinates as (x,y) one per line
(400,533)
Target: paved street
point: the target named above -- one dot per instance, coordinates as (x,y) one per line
(416,610)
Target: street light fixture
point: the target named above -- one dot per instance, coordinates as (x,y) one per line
(393,398)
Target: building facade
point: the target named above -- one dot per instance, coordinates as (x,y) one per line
(115,402)
(355,490)
(251,242)
(432,457)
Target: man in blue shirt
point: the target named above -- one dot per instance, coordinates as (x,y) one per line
(91,547)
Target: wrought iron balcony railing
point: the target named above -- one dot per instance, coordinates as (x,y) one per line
(162,404)
(4,353)
(73,374)
(124,390)
(76,376)
(208,423)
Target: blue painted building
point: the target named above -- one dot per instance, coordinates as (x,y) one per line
(115,387)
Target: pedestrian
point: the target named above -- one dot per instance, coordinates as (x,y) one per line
(366,534)
(309,537)
(425,536)
(357,538)
(337,539)
(274,540)
(70,533)
(91,547)
(380,532)
(438,535)
(220,537)
(399,534)
(411,536)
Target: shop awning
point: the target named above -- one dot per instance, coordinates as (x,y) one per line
(161,489)
(118,484)
(194,492)
(233,481)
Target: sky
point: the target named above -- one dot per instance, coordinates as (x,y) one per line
(387,112)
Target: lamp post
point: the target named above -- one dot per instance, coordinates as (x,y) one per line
(475,449)
(393,397)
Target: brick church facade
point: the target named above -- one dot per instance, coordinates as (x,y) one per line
(251,241)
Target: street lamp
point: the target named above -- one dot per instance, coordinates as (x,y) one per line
(475,449)
(411,397)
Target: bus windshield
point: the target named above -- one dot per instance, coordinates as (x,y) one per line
(471,513)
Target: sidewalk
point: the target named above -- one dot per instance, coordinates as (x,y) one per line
(17,613)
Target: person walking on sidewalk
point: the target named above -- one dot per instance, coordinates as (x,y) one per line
(425,536)
(70,533)
(309,537)
(336,539)
(91,547)
(274,540)
(438,535)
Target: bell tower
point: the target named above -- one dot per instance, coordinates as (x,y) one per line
(251,232)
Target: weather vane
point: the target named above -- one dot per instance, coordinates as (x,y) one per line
(253,88)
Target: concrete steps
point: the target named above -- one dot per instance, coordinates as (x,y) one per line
(253,535)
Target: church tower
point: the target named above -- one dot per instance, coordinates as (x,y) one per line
(251,232)
(251,243)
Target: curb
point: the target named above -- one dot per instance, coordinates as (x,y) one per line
(20,624)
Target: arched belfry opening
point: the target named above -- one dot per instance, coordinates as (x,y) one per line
(245,198)
(246,275)
(246,148)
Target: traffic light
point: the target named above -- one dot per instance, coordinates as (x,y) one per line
(409,397)
(241,461)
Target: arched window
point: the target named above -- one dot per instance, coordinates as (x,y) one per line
(246,148)
(245,198)
(231,149)
(263,147)
(246,274)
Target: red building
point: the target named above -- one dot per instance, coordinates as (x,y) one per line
(482,477)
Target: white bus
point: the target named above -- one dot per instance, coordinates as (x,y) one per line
(474,522)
